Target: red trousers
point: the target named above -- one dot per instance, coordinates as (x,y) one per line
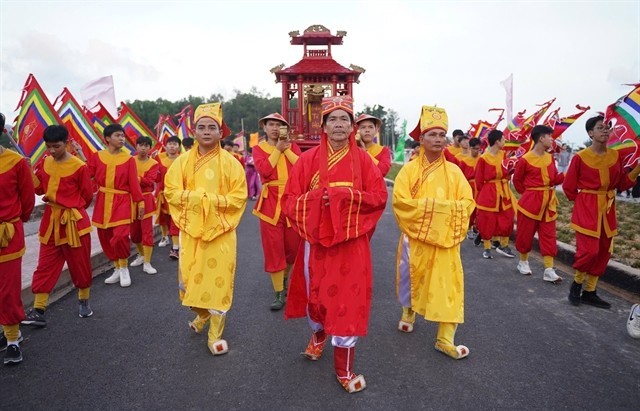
(166,220)
(51,260)
(494,224)
(279,244)
(115,241)
(142,231)
(11,311)
(527,228)
(592,254)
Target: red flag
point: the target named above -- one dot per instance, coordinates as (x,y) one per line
(134,127)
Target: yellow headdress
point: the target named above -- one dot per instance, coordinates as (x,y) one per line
(431,117)
(213,111)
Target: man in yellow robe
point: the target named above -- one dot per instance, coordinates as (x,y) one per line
(432,202)
(206,190)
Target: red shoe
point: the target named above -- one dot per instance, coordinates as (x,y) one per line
(173,254)
(316,346)
(343,364)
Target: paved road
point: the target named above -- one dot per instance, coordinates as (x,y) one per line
(530,350)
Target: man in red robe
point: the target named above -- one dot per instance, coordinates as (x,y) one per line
(334,197)
(536,178)
(594,175)
(118,203)
(467,164)
(142,229)
(450,152)
(17,198)
(65,227)
(273,159)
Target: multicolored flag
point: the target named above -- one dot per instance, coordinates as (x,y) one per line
(561,124)
(511,132)
(185,123)
(134,127)
(36,114)
(165,128)
(79,126)
(623,118)
(239,140)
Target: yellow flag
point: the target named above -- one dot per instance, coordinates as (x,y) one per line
(253,139)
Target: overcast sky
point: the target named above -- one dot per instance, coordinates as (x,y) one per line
(450,53)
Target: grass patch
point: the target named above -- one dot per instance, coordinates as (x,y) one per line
(393,172)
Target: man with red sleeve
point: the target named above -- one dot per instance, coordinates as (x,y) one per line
(65,227)
(142,230)
(368,127)
(535,179)
(450,152)
(467,164)
(594,175)
(118,203)
(334,197)
(167,226)
(273,159)
(17,198)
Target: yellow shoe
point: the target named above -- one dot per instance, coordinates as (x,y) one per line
(218,347)
(457,352)
(198,324)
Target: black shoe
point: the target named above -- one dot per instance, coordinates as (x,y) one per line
(84,310)
(591,298)
(495,244)
(3,341)
(35,318)
(278,303)
(13,354)
(487,254)
(574,293)
(505,251)
(478,240)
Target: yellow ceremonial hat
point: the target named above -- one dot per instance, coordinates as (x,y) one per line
(431,117)
(213,111)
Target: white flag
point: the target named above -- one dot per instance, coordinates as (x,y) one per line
(100,90)
(508,87)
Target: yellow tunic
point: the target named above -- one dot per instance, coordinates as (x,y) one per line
(432,203)
(206,196)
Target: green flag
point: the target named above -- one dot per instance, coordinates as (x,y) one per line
(398,156)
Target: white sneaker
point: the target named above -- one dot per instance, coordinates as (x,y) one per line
(113,278)
(523,267)
(138,261)
(164,242)
(633,323)
(147,268)
(551,276)
(125,278)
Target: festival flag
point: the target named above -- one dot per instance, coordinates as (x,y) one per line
(134,127)
(36,114)
(254,139)
(561,124)
(398,156)
(79,126)
(101,91)
(508,88)
(239,140)
(102,114)
(514,125)
(623,118)
(165,128)
(185,122)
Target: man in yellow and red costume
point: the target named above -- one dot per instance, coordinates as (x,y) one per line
(495,203)
(273,159)
(118,203)
(142,229)
(334,196)
(65,227)
(206,190)
(594,175)
(17,198)
(467,163)
(167,226)
(432,202)
(368,127)
(536,178)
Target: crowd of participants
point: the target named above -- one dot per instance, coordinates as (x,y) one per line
(317,211)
